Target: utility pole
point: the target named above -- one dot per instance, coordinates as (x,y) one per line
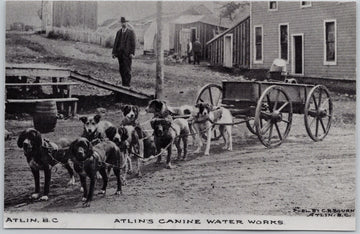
(159,53)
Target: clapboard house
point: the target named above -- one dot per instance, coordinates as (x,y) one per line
(204,27)
(316,38)
(232,47)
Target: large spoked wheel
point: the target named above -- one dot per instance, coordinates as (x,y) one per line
(250,124)
(212,94)
(273,116)
(318,113)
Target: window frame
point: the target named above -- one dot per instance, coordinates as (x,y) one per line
(293,54)
(330,63)
(262,44)
(288,41)
(277,6)
(305,6)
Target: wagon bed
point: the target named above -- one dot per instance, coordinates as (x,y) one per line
(267,107)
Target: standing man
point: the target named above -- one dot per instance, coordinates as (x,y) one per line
(197,51)
(124,51)
(189,50)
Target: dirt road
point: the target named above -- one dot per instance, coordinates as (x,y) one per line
(250,180)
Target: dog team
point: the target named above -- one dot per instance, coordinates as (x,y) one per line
(104,146)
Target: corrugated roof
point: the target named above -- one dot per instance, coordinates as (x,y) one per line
(226,31)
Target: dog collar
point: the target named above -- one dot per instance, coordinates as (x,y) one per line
(201,119)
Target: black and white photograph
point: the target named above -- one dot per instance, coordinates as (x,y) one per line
(226,115)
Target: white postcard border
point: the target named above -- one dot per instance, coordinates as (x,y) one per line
(30,220)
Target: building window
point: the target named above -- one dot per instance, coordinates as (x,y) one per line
(284,42)
(305,4)
(258,44)
(273,5)
(329,42)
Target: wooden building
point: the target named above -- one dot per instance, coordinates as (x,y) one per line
(232,47)
(79,15)
(316,38)
(204,27)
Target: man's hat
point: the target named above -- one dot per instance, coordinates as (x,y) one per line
(123,20)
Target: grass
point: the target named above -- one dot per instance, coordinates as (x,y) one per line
(16,41)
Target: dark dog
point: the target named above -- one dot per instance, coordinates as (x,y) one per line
(128,140)
(167,133)
(42,154)
(161,110)
(94,128)
(88,160)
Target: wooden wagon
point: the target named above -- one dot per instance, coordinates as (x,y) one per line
(267,108)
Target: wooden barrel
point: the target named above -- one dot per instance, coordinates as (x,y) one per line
(45,116)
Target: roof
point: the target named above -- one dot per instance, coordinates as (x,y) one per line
(187,19)
(199,9)
(226,31)
(208,19)
(194,10)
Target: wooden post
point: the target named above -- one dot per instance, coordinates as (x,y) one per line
(159,53)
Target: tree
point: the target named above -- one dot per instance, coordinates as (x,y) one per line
(228,9)
(40,11)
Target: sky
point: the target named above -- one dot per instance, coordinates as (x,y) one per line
(132,10)
(16,12)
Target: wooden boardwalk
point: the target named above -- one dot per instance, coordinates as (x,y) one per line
(44,70)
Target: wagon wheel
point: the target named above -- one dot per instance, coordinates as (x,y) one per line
(211,93)
(273,116)
(250,124)
(318,110)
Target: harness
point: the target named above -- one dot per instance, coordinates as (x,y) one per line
(95,137)
(217,113)
(47,148)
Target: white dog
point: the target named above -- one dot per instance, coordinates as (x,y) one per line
(205,119)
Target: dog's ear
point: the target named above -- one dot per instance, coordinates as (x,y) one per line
(110,132)
(97,118)
(124,135)
(21,138)
(37,139)
(136,111)
(153,123)
(151,102)
(124,107)
(72,147)
(83,119)
(197,105)
(158,105)
(209,106)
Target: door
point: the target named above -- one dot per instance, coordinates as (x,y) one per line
(193,35)
(184,36)
(228,50)
(298,54)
